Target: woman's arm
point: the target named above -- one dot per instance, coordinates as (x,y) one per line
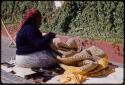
(40,42)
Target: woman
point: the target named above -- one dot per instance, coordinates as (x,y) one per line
(33,49)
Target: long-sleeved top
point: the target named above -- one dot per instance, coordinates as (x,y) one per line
(29,39)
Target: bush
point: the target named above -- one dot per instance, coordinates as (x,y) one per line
(88,19)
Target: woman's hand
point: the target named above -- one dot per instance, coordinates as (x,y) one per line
(52,35)
(55,43)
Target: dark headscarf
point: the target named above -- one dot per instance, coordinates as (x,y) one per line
(29,14)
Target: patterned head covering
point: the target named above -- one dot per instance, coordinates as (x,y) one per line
(28,14)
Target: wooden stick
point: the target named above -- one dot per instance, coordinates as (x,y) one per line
(11,39)
(15,34)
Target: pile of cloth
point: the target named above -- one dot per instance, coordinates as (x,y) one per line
(80,62)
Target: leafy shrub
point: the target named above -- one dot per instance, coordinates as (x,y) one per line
(88,19)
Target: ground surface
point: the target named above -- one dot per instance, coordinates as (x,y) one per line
(6,55)
(6,52)
(113,78)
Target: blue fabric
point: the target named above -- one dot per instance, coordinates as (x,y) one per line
(29,39)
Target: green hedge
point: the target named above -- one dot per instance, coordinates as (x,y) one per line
(87,19)
(19,7)
(92,20)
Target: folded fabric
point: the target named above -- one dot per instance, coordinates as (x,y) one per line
(74,75)
(72,78)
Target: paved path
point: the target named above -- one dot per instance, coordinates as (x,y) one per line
(6,52)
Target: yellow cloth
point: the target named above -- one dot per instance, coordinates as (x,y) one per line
(72,78)
(72,69)
(103,63)
(74,75)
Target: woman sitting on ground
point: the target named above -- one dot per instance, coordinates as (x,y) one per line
(33,49)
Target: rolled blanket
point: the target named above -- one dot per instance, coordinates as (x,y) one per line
(68,48)
(85,59)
